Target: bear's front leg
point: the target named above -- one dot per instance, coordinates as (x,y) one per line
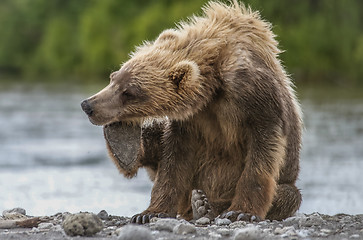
(256,187)
(174,175)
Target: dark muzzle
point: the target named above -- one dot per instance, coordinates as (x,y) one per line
(87,108)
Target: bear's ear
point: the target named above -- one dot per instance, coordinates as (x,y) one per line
(183,72)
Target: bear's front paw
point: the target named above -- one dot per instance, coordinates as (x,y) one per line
(143,218)
(240,216)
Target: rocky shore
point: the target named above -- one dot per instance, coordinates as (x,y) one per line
(15,224)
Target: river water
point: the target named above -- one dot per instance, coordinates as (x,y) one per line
(52,159)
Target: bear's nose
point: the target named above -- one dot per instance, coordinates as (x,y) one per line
(86,107)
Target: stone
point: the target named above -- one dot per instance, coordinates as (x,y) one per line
(222,221)
(279,230)
(15,210)
(166,224)
(203,221)
(303,233)
(103,215)
(237,224)
(291,220)
(45,226)
(134,232)
(14,216)
(224,231)
(82,224)
(313,220)
(184,228)
(248,233)
(289,232)
(324,230)
(214,235)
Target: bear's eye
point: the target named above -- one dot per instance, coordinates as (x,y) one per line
(129,94)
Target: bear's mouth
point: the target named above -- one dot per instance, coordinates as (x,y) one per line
(123,140)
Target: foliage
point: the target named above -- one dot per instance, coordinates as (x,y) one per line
(90,38)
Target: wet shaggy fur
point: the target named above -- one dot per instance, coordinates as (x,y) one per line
(231,124)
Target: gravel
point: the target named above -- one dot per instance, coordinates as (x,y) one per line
(300,226)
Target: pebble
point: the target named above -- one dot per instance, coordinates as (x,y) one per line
(354,236)
(13,216)
(15,210)
(45,226)
(166,224)
(82,224)
(203,221)
(224,231)
(103,215)
(313,220)
(248,233)
(278,231)
(289,232)
(238,224)
(304,233)
(300,226)
(184,228)
(291,220)
(134,232)
(214,235)
(222,221)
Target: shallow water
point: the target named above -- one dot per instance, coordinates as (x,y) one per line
(52,159)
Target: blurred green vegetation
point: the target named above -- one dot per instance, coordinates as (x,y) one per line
(88,39)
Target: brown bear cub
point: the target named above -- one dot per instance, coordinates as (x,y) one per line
(220,123)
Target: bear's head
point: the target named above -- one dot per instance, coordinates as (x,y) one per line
(173,77)
(147,88)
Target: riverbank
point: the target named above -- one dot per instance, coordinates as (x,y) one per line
(300,226)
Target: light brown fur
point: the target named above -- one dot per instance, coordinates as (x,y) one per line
(232,124)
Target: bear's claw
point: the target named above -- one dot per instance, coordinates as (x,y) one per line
(146,217)
(240,216)
(200,205)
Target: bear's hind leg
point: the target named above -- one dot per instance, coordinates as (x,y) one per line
(286,202)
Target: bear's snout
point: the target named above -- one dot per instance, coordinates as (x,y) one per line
(87,108)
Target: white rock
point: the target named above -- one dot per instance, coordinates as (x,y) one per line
(323,235)
(263,223)
(184,228)
(134,232)
(15,210)
(224,231)
(35,230)
(214,235)
(354,236)
(203,221)
(57,228)
(291,220)
(166,224)
(313,220)
(304,233)
(279,231)
(13,216)
(222,221)
(289,232)
(248,233)
(238,224)
(45,226)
